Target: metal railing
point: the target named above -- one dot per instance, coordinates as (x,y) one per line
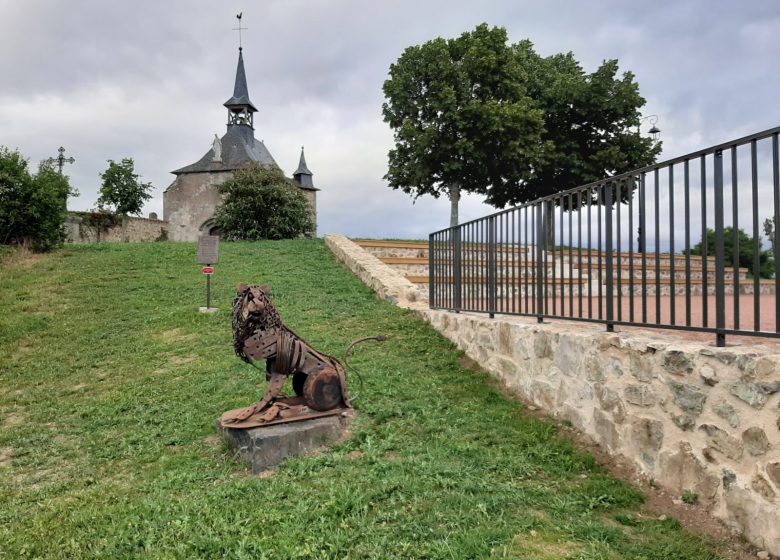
(628,250)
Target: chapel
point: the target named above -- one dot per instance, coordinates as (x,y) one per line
(190,201)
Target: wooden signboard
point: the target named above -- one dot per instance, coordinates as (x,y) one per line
(208,249)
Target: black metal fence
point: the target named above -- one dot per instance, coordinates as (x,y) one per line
(677,245)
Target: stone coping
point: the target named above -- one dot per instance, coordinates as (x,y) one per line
(388,283)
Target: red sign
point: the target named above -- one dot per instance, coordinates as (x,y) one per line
(208,270)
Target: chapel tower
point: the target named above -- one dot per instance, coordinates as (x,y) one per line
(190,201)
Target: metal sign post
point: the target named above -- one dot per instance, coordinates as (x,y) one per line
(208,254)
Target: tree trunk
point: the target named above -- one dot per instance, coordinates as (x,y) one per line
(549,241)
(125,236)
(454,200)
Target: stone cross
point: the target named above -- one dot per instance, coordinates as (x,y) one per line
(60,160)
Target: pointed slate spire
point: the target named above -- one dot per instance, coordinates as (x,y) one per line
(240,97)
(302,175)
(240,108)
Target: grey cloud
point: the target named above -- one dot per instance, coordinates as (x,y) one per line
(147,79)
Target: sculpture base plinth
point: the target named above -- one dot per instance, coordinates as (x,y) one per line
(267,446)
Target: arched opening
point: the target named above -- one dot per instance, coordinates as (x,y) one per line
(210,228)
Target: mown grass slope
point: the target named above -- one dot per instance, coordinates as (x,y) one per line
(110,383)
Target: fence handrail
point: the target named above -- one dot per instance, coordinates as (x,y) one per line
(475,265)
(659,165)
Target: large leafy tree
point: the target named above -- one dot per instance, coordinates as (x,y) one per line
(261,203)
(32,206)
(480,115)
(462,118)
(123,191)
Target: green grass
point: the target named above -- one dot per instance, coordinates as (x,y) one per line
(110,383)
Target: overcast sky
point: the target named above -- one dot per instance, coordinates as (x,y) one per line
(146,79)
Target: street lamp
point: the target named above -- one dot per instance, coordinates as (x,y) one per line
(654,133)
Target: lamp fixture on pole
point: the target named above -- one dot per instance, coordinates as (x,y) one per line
(654,133)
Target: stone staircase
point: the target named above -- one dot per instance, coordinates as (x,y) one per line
(573,272)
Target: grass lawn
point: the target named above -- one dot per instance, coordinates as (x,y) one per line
(110,383)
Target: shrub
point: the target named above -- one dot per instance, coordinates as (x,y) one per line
(33,207)
(261,203)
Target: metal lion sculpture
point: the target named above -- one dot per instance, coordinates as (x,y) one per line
(319,380)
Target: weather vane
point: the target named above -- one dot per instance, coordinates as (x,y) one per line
(60,160)
(239,29)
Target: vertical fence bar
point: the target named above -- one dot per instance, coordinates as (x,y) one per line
(590,255)
(526,248)
(560,243)
(457,268)
(600,202)
(547,222)
(492,257)
(631,251)
(501,259)
(657,235)
(536,217)
(619,256)
(431,270)
(550,231)
(756,238)
(465,264)
(579,251)
(735,231)
(505,273)
(776,192)
(539,280)
(720,255)
(571,265)
(471,251)
(479,271)
(687,244)
(705,306)
(672,257)
(643,239)
(514,246)
(609,256)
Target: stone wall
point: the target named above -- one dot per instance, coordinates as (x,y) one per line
(189,203)
(138,230)
(692,417)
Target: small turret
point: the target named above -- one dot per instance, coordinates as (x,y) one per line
(302,175)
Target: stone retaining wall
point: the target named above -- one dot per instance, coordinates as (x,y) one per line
(692,417)
(138,230)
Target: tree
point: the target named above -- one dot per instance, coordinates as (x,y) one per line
(261,203)
(477,114)
(746,256)
(33,208)
(769,231)
(461,117)
(123,190)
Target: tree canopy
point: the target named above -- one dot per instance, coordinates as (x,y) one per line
(261,203)
(746,258)
(122,189)
(480,115)
(33,207)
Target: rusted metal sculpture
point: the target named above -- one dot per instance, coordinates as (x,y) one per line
(319,380)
